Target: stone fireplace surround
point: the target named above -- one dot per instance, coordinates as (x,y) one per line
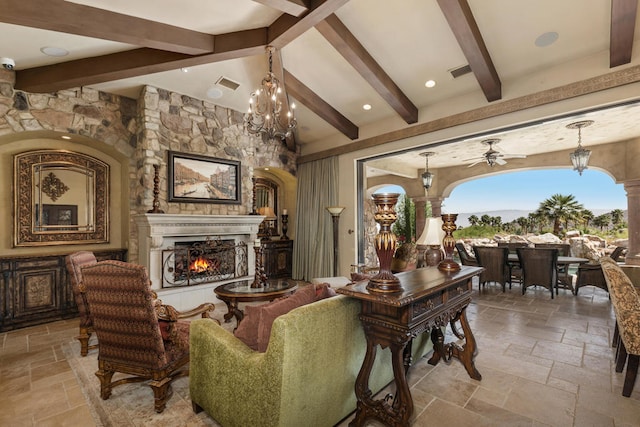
(157,232)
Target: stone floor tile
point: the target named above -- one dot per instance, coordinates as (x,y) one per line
(441,413)
(542,403)
(558,352)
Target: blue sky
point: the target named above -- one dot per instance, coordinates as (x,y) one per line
(525,190)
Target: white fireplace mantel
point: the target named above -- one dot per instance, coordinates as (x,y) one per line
(161,231)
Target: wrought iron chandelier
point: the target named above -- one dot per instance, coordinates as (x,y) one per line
(267,106)
(427,177)
(580,157)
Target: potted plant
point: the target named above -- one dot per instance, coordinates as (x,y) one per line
(405,258)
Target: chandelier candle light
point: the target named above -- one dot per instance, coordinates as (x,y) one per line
(580,157)
(267,106)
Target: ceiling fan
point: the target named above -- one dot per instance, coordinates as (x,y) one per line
(493,157)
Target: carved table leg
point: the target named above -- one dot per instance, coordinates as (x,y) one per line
(467,352)
(232,310)
(437,338)
(392,411)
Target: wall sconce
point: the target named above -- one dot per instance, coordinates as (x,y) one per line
(580,157)
(335,212)
(427,177)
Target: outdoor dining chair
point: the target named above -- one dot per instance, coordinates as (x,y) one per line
(495,263)
(539,268)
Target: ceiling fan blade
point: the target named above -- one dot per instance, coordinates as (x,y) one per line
(477,162)
(514,156)
(501,161)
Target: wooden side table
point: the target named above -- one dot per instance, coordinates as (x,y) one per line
(236,292)
(430,299)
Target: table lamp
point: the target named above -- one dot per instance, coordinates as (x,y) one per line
(431,237)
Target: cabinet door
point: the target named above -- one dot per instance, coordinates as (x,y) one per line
(37,289)
(278,259)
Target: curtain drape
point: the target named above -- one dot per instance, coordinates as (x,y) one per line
(317,189)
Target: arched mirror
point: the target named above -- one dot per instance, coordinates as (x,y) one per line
(266,203)
(60,197)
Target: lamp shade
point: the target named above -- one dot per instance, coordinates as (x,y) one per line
(267,211)
(432,233)
(335,210)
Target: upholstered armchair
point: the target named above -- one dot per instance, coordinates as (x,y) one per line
(123,310)
(74,263)
(165,313)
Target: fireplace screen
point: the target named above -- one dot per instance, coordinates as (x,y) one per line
(206,261)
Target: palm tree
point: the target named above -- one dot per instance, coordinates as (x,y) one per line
(559,208)
(473,219)
(524,223)
(587,216)
(601,221)
(485,220)
(616,217)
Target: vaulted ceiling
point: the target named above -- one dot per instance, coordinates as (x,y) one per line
(334,56)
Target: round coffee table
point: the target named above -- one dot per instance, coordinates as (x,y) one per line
(237,292)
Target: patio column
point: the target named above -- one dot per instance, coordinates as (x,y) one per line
(436,206)
(420,203)
(633,211)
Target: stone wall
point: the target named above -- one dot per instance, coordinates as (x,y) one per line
(140,132)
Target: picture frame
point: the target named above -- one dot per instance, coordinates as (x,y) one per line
(195,178)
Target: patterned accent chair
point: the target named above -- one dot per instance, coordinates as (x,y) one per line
(74,263)
(123,308)
(626,306)
(539,268)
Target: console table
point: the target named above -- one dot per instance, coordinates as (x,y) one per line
(430,299)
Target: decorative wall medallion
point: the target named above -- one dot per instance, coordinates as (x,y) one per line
(53,187)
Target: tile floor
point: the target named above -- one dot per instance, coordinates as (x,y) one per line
(543,361)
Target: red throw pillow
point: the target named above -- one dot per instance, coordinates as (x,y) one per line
(324,290)
(247,330)
(269,312)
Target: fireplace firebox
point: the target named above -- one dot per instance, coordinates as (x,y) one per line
(203,261)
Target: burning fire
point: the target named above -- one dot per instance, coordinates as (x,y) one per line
(199,265)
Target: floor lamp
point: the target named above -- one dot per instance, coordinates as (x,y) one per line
(335,212)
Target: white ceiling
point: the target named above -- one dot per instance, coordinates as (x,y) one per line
(412,42)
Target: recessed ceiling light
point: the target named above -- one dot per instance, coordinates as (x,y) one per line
(54,51)
(65,137)
(184,69)
(214,93)
(546,39)
(366,107)
(430,83)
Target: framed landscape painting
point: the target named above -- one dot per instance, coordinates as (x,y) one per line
(201,179)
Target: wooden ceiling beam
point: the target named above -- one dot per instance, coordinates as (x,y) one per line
(287,28)
(464,27)
(144,61)
(81,20)
(352,50)
(291,7)
(306,96)
(623,24)
(133,63)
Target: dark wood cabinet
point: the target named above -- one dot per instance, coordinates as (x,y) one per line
(36,289)
(277,258)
